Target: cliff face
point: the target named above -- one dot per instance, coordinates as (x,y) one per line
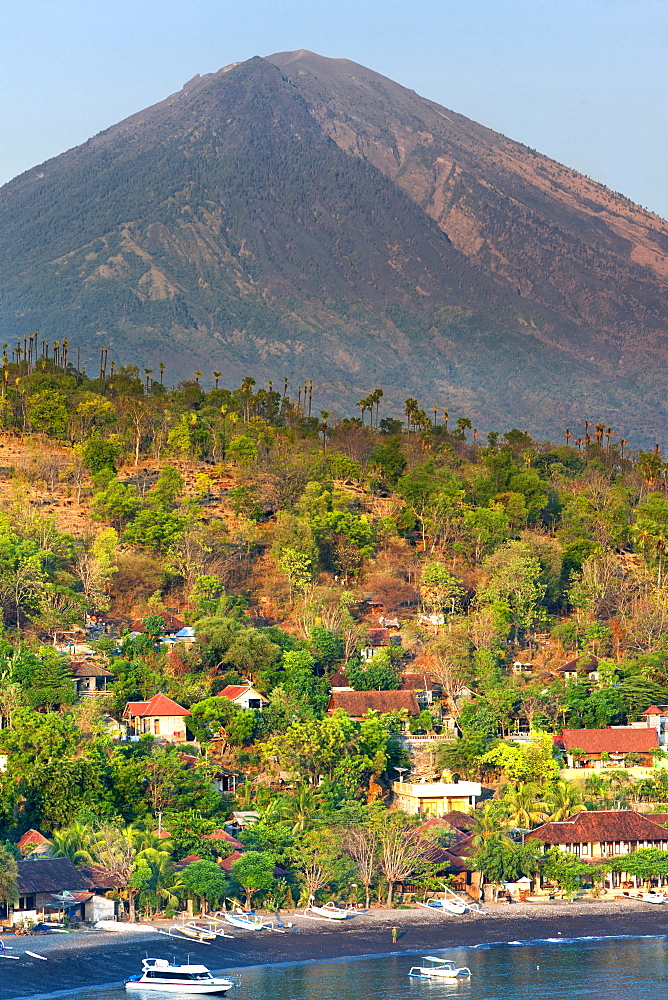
(307,217)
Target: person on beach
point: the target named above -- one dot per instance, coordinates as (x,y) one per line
(394,935)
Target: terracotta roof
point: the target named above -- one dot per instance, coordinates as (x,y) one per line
(604,826)
(583,664)
(172,624)
(455,820)
(660,818)
(226,863)
(32,837)
(161,834)
(223,835)
(159,704)
(624,739)
(233,691)
(655,710)
(50,875)
(184,862)
(358,703)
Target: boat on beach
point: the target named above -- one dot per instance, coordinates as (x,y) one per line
(440,968)
(194,980)
(330,911)
(244,920)
(191,930)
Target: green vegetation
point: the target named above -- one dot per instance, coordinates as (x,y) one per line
(222,509)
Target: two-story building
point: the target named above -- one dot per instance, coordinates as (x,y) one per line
(615,747)
(436,798)
(604,834)
(159,716)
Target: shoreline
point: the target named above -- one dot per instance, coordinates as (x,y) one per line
(98,958)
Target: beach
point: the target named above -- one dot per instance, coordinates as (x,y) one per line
(96,958)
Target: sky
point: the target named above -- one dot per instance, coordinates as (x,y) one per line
(583,81)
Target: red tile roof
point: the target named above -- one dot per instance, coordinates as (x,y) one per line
(223,835)
(623,739)
(655,710)
(32,837)
(339,680)
(226,863)
(358,703)
(159,704)
(233,691)
(604,826)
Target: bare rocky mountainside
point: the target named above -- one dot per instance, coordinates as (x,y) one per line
(306,217)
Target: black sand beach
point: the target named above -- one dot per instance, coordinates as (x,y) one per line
(97,958)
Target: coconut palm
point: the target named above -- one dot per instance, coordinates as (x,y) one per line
(76,842)
(490,821)
(563,800)
(524,808)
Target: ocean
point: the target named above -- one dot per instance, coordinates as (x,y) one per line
(633,968)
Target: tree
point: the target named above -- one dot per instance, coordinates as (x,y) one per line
(439,588)
(206,881)
(565,869)
(530,762)
(254,871)
(513,578)
(114,853)
(562,800)
(401,854)
(525,809)
(317,856)
(500,860)
(9,873)
(361,843)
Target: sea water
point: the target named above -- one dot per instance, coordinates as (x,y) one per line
(630,968)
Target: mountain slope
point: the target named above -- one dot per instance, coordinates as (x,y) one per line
(306,217)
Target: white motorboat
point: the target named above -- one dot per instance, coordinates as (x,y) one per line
(440,968)
(193,980)
(330,911)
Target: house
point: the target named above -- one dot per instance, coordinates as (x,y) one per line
(89,677)
(427,691)
(33,844)
(616,746)
(242,819)
(356,704)
(436,798)
(377,639)
(656,717)
(41,881)
(160,716)
(171,624)
(243,696)
(339,682)
(581,667)
(607,833)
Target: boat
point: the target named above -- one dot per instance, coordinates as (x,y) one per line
(648,897)
(440,968)
(192,931)
(244,920)
(194,980)
(330,911)
(455,906)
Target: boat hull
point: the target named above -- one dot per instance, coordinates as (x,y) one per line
(217,988)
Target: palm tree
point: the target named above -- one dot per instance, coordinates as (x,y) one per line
(76,842)
(323,427)
(410,408)
(162,371)
(197,377)
(563,799)
(524,810)
(489,822)
(216,376)
(446,417)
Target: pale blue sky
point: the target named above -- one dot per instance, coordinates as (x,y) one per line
(584,81)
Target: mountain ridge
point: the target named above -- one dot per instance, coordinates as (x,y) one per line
(274,218)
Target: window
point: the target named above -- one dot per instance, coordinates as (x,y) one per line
(156,726)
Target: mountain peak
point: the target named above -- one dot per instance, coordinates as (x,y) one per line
(305,216)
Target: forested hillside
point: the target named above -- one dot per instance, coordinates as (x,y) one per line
(282,537)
